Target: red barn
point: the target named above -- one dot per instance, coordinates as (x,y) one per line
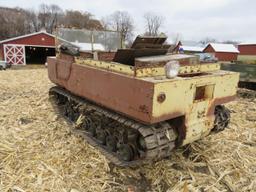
(28,49)
(247,52)
(188,47)
(224,52)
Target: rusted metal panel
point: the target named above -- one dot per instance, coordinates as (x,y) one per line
(146,40)
(125,56)
(219,101)
(178,102)
(141,47)
(198,111)
(124,94)
(128,56)
(138,98)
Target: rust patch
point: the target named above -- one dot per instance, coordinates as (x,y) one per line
(219,101)
(222,100)
(167,116)
(144,109)
(112,90)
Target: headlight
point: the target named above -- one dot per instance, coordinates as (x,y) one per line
(172,69)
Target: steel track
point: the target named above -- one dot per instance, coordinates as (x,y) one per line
(159,139)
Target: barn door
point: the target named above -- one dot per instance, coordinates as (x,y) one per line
(15,54)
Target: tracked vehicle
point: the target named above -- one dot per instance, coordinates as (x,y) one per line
(142,104)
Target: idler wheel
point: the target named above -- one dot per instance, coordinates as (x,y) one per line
(222,118)
(111,143)
(125,152)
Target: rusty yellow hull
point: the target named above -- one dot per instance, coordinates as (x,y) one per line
(150,99)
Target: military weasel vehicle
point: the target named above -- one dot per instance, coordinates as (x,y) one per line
(142,104)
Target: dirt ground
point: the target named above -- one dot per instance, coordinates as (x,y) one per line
(38,152)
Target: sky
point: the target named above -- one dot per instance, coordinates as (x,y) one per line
(191,19)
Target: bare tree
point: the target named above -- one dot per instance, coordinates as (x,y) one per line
(43,15)
(48,16)
(55,12)
(208,40)
(122,22)
(13,22)
(153,23)
(80,19)
(231,42)
(17,21)
(77,19)
(175,37)
(105,23)
(32,19)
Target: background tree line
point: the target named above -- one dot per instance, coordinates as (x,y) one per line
(18,21)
